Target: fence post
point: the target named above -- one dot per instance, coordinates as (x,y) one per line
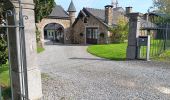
(166,36)
(148,48)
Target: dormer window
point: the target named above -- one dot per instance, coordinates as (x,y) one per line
(85,20)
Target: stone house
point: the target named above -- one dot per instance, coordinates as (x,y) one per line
(90,26)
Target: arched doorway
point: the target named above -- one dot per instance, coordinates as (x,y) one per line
(54,32)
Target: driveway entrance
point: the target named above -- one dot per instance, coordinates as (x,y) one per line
(70,73)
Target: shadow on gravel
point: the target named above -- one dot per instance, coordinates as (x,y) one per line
(61,44)
(100,59)
(49,42)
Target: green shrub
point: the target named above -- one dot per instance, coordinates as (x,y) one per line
(120,32)
(3,49)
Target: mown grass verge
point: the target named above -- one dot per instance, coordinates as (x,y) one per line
(110,51)
(164,57)
(5,82)
(40,49)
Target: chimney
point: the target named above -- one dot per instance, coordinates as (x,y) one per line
(146,17)
(109,14)
(128,10)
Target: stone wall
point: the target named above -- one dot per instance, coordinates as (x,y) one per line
(64,22)
(80,27)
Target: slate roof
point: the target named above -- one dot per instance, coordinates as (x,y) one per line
(100,14)
(71,7)
(58,12)
(119,9)
(158,14)
(147,24)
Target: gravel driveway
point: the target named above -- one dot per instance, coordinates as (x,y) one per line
(70,73)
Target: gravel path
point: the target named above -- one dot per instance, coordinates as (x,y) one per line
(70,73)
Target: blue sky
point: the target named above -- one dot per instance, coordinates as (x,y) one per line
(138,5)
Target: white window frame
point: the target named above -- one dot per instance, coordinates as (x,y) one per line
(85,36)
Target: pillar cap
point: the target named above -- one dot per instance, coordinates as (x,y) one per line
(108,6)
(129,7)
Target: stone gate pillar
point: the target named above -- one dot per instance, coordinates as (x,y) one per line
(33,78)
(134,32)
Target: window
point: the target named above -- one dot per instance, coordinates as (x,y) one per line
(88,33)
(85,20)
(92,33)
(96,33)
(49,33)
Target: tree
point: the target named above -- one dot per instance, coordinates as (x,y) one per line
(120,32)
(43,8)
(3,49)
(162,6)
(3,39)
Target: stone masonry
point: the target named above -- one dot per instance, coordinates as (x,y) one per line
(80,27)
(33,75)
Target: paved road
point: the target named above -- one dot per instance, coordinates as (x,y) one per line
(70,73)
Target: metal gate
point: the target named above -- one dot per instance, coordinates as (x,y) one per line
(4,25)
(158,28)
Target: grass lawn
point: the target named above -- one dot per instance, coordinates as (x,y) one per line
(110,51)
(5,82)
(40,49)
(164,57)
(118,52)
(4,76)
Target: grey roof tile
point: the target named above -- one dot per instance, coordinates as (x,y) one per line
(100,13)
(58,12)
(71,7)
(119,9)
(147,24)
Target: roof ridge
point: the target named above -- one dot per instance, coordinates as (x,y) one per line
(58,11)
(93,8)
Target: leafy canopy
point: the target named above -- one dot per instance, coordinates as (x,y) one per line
(162,6)
(43,8)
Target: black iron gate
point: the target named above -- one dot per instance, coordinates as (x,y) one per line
(158,28)
(7,13)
